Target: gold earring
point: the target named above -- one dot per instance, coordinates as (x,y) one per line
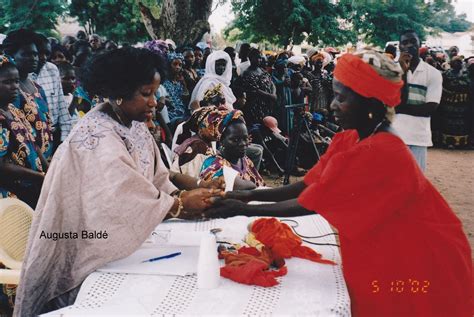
(371,116)
(118,101)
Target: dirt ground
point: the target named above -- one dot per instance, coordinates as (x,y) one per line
(452,173)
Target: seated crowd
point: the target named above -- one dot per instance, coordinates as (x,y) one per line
(84,128)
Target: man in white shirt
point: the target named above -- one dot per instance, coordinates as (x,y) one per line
(421,95)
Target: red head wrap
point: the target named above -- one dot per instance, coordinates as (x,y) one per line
(359,76)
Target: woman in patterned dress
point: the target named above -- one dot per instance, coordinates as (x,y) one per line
(31,101)
(260,90)
(21,165)
(178,92)
(234,140)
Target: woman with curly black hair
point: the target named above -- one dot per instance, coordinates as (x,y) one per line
(106,189)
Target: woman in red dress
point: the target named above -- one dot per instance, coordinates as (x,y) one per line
(404,252)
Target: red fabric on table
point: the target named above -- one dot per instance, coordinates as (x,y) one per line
(282,242)
(253,272)
(395,229)
(250,266)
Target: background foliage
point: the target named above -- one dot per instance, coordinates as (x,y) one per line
(280,22)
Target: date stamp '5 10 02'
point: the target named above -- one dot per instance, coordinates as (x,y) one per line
(412,286)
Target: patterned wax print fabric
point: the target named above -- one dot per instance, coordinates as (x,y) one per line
(81,102)
(176,110)
(213,168)
(124,191)
(404,252)
(7,297)
(35,108)
(256,107)
(17,146)
(455,110)
(321,95)
(17,143)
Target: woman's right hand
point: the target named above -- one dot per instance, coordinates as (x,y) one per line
(242,195)
(196,200)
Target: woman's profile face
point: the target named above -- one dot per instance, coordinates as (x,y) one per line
(348,110)
(140,106)
(220,66)
(235,141)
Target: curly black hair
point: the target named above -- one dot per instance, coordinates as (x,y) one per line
(17,39)
(119,73)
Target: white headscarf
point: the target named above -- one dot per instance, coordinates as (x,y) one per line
(211,79)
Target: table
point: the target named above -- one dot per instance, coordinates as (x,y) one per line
(309,288)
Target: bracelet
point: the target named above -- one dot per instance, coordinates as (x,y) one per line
(198,182)
(180,208)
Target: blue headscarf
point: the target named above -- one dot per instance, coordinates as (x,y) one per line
(173,55)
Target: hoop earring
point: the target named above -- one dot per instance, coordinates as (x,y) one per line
(119,101)
(371,116)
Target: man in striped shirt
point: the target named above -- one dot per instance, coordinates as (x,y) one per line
(421,95)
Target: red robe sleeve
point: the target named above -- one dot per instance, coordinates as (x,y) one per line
(337,144)
(363,183)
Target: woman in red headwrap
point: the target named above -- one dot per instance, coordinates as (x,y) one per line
(404,252)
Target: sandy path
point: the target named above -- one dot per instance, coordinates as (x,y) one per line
(452,173)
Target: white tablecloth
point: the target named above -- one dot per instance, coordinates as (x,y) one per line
(309,288)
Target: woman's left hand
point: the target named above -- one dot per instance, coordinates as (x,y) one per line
(224,208)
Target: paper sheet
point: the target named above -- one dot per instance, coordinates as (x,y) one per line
(229,176)
(181,265)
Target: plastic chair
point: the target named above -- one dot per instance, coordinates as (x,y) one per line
(15,223)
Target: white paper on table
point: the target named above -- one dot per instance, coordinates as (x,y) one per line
(229,177)
(181,265)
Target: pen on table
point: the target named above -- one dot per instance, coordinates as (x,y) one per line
(172,255)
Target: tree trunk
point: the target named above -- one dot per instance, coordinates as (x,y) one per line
(183,21)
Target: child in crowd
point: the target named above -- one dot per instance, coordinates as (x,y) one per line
(68,82)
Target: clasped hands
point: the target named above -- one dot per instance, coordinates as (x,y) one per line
(210,201)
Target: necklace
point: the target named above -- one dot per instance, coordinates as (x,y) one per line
(117,111)
(377,127)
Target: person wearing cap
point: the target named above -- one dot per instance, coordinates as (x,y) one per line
(404,252)
(421,95)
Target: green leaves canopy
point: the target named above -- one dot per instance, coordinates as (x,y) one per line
(39,15)
(328,22)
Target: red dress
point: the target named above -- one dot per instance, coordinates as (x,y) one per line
(404,252)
